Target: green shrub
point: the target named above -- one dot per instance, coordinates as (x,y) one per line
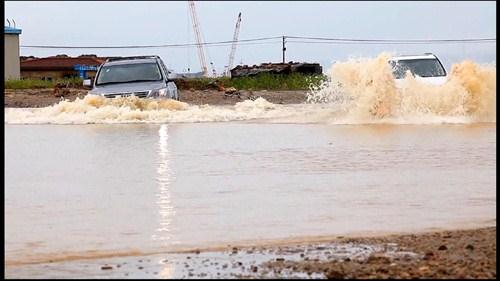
(264,81)
(40,84)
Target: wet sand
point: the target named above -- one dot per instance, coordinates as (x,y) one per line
(445,254)
(47,97)
(440,254)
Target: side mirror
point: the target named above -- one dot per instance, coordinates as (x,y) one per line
(172,91)
(87,83)
(171,76)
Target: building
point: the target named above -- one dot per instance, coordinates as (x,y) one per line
(60,66)
(11,55)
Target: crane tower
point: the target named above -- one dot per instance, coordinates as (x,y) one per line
(233,47)
(196,27)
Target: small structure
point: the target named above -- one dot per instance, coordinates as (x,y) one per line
(82,70)
(277,68)
(61,66)
(11,55)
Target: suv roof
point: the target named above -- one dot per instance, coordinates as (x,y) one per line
(129,60)
(415,57)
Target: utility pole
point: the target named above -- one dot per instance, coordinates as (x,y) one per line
(284,49)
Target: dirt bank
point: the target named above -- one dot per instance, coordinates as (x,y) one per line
(47,97)
(447,254)
(443,254)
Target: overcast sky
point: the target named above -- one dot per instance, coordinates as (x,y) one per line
(152,23)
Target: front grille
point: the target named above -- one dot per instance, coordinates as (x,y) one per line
(137,94)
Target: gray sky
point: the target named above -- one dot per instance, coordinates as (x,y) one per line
(153,23)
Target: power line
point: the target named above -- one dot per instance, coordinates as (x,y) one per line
(147,46)
(242,44)
(312,40)
(211,45)
(397,41)
(388,43)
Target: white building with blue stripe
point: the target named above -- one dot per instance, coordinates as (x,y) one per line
(12,64)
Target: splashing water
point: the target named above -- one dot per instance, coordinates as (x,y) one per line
(359,91)
(367,92)
(96,109)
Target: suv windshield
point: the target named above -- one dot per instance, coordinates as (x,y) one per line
(419,67)
(123,73)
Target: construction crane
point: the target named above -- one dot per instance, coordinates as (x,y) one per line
(196,27)
(233,47)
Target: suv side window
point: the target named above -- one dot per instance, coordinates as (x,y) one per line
(164,69)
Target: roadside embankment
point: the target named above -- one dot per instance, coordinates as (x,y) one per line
(23,98)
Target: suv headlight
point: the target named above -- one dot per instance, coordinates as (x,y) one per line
(159,93)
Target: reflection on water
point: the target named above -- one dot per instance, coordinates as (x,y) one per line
(167,270)
(116,190)
(165,209)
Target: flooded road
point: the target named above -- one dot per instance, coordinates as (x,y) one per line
(98,190)
(96,179)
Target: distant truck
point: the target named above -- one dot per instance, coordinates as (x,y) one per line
(142,76)
(426,68)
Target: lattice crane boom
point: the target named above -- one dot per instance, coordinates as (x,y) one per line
(199,42)
(233,46)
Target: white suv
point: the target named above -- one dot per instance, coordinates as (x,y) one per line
(426,68)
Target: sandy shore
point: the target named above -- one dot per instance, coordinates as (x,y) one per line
(441,254)
(47,97)
(447,254)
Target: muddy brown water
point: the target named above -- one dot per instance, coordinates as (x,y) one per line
(111,190)
(131,179)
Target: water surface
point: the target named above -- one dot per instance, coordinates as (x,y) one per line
(76,191)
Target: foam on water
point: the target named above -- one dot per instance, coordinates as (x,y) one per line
(95,109)
(359,91)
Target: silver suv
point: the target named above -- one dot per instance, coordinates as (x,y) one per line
(144,77)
